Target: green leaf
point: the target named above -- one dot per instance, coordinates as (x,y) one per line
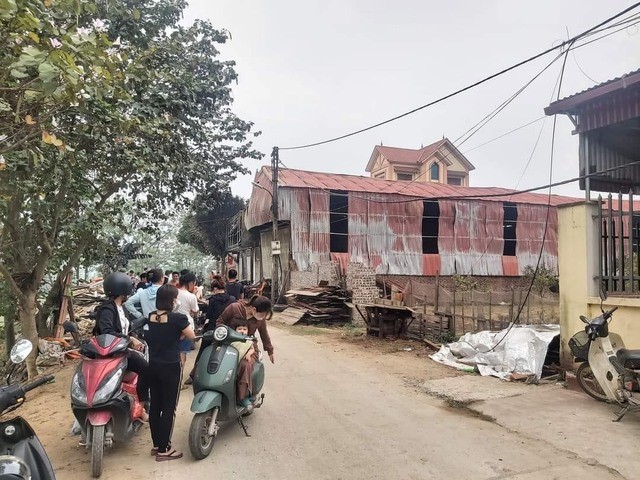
(15,73)
(4,106)
(136,14)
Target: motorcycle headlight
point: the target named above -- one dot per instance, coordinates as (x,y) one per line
(78,390)
(106,390)
(220,333)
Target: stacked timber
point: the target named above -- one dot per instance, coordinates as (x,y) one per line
(319,305)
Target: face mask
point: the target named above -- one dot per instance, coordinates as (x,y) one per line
(176,305)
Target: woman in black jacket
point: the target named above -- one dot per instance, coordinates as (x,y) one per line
(218,301)
(111,320)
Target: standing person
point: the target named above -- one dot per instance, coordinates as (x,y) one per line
(166,328)
(187,305)
(234,287)
(143,283)
(146,297)
(218,301)
(175,279)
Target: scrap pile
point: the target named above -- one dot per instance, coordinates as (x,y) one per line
(86,297)
(323,304)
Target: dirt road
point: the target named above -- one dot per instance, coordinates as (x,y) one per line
(333,410)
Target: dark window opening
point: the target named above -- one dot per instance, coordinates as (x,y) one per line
(430,226)
(435,171)
(454,180)
(405,176)
(510,211)
(338,221)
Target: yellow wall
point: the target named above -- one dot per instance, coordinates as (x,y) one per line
(577,267)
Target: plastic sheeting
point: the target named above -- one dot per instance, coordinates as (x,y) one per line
(522,351)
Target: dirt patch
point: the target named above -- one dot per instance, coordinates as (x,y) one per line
(407,357)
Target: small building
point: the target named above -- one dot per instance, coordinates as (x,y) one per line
(401,228)
(440,162)
(598,240)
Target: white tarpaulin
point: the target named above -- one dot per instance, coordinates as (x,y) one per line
(522,351)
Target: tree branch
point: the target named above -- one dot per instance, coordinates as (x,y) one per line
(12,283)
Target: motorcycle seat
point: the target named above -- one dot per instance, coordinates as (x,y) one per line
(629,358)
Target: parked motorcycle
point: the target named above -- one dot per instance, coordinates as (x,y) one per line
(214,386)
(103,396)
(22,456)
(609,372)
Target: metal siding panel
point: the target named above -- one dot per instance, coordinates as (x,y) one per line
(529,232)
(446,241)
(319,227)
(299,209)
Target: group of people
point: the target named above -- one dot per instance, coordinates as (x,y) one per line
(169,310)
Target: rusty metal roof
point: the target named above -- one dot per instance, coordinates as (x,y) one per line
(572,103)
(291,178)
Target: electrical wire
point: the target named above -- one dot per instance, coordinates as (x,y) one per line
(505,134)
(561,46)
(546,223)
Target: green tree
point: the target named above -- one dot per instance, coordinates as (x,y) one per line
(206,227)
(109,113)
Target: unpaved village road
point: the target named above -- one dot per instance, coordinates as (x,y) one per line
(333,410)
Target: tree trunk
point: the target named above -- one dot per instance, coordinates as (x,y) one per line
(27,315)
(9,328)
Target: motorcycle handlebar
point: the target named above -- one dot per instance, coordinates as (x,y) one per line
(37,383)
(608,313)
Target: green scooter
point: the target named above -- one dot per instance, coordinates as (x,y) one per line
(214,386)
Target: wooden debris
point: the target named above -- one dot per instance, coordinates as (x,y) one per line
(323,304)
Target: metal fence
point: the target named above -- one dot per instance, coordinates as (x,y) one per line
(618,259)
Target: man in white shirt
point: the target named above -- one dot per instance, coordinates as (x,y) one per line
(188,305)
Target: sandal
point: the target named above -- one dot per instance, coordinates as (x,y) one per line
(165,457)
(154,451)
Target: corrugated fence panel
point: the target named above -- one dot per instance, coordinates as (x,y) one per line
(299,206)
(530,228)
(446,241)
(394,235)
(358,229)
(318,247)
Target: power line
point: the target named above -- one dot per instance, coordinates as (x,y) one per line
(473,85)
(507,133)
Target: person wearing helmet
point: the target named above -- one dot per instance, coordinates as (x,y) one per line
(111,320)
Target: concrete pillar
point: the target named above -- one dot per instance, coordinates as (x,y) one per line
(577,269)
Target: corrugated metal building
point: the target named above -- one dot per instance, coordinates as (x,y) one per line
(401,227)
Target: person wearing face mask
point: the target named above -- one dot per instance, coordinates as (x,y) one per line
(166,329)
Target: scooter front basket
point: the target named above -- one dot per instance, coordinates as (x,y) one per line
(579,345)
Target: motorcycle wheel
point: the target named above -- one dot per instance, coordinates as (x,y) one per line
(589,384)
(97,449)
(200,442)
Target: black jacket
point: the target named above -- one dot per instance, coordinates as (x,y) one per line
(217,304)
(108,320)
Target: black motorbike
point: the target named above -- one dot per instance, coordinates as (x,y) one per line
(22,456)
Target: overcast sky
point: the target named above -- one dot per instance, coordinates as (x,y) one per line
(311,70)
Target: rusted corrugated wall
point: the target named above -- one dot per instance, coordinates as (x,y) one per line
(529,233)
(385,233)
(470,239)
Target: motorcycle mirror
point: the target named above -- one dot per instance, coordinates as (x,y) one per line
(584,319)
(603,292)
(20,351)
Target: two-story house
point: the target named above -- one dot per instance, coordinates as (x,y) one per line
(439,162)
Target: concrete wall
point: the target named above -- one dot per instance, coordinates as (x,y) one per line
(577,268)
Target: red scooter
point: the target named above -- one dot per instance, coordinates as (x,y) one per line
(103,396)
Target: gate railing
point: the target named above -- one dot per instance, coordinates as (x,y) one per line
(618,259)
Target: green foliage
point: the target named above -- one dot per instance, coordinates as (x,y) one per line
(466,283)
(545,278)
(109,113)
(206,228)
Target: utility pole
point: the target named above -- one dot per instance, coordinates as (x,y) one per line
(275,244)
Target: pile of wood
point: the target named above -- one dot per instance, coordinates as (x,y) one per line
(315,305)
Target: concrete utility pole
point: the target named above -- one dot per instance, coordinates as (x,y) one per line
(275,244)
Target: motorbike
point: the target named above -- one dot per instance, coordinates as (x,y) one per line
(22,456)
(103,396)
(609,372)
(214,387)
